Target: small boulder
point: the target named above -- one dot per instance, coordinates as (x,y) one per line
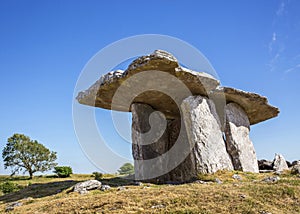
(271,179)
(83,187)
(279,163)
(105,187)
(12,206)
(138,183)
(296,170)
(120,188)
(218,181)
(237,177)
(297,162)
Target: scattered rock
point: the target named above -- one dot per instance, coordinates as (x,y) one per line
(271,179)
(83,187)
(218,181)
(158,206)
(279,163)
(265,165)
(200,182)
(297,162)
(121,188)
(264,212)
(237,177)
(12,206)
(138,183)
(295,170)
(105,187)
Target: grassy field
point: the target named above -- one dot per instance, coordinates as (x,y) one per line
(249,195)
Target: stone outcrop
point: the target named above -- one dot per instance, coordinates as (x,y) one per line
(183,122)
(296,170)
(238,143)
(85,186)
(203,131)
(279,163)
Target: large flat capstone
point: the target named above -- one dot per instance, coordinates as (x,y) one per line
(161,87)
(256,106)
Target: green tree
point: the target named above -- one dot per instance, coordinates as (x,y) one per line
(23,154)
(63,171)
(127,168)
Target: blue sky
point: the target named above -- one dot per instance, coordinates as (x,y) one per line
(44,45)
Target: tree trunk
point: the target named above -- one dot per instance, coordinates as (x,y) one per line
(30,175)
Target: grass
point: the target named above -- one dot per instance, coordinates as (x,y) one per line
(248,195)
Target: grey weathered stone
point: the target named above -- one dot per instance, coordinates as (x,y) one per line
(297,162)
(105,187)
(188,118)
(11,206)
(102,92)
(271,179)
(144,144)
(295,169)
(238,143)
(255,106)
(279,163)
(218,181)
(152,140)
(84,186)
(204,133)
(236,177)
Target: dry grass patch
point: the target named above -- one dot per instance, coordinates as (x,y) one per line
(249,195)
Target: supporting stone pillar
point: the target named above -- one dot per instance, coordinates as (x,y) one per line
(144,144)
(204,132)
(146,147)
(239,145)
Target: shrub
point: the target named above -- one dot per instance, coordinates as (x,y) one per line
(63,171)
(98,175)
(8,187)
(126,169)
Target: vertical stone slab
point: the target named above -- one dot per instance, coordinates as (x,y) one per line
(204,131)
(239,145)
(147,147)
(148,141)
(185,169)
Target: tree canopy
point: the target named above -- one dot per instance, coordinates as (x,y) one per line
(23,154)
(126,168)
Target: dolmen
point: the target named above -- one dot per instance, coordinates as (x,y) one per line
(183,122)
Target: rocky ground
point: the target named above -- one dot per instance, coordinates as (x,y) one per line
(222,192)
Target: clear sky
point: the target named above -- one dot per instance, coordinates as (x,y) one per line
(253,45)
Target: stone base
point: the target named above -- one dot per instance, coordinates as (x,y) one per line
(166,150)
